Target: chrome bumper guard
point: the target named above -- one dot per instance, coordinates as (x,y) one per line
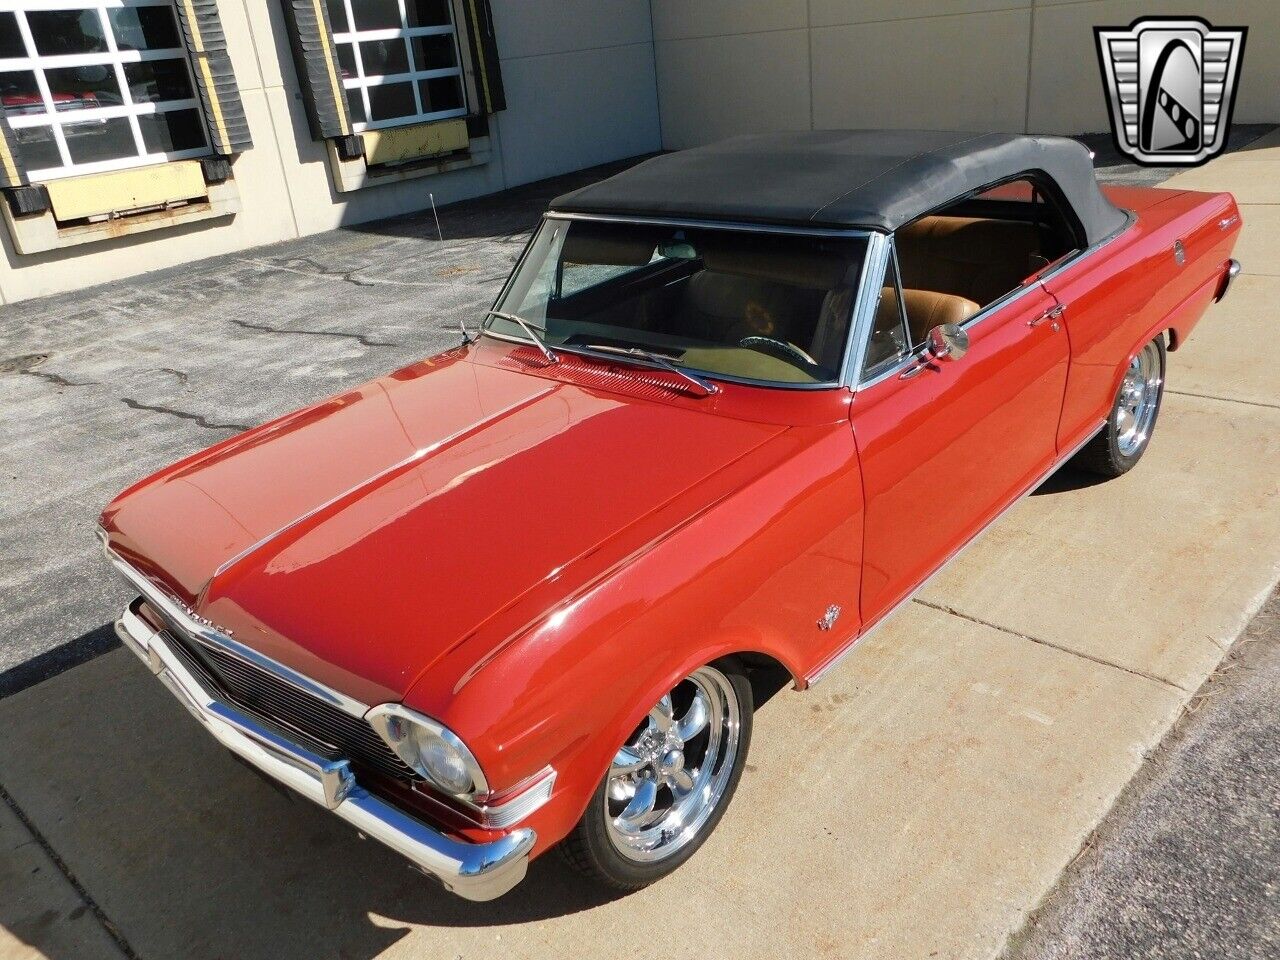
(1233,271)
(475,871)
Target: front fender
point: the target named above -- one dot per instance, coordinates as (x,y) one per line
(750,574)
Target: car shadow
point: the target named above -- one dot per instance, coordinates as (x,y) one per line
(187,852)
(508,214)
(52,662)
(1068,478)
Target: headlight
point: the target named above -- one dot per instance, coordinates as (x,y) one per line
(429,749)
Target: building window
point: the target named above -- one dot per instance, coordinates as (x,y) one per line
(400,61)
(97,86)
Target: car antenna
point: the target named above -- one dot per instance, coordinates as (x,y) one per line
(435,213)
(462,324)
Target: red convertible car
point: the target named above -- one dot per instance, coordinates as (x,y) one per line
(733,406)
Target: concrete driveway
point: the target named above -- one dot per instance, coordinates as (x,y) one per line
(917,803)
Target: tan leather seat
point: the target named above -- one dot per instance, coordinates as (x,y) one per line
(925,310)
(725,307)
(980,260)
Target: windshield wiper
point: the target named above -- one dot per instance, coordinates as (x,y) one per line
(528,328)
(658,360)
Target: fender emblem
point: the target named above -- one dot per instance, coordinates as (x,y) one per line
(829,618)
(205,621)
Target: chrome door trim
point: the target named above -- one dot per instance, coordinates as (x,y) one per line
(836,658)
(1009,298)
(879,247)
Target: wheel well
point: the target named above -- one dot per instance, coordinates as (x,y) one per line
(1174,342)
(768,675)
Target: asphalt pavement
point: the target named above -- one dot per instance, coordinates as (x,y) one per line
(1187,865)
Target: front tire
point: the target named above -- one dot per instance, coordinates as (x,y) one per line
(1124,439)
(669,784)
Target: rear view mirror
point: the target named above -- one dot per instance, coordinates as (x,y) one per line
(947,342)
(677,250)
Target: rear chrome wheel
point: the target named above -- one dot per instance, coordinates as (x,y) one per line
(1139,399)
(1127,432)
(668,785)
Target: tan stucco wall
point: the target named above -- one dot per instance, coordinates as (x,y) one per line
(580,88)
(589,82)
(735,66)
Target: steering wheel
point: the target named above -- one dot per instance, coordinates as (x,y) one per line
(788,351)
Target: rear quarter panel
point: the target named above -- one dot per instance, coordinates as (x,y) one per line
(1131,289)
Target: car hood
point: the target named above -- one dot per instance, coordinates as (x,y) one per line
(360,540)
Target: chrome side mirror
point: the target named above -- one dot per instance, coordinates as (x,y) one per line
(947,342)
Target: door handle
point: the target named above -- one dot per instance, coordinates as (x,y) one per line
(1053,313)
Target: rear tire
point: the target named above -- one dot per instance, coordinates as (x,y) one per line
(1125,437)
(651,813)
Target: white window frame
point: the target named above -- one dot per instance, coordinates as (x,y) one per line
(113,57)
(362,81)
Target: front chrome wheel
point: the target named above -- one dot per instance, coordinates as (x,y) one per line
(671,776)
(670,782)
(1139,400)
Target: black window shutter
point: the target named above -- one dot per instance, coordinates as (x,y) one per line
(484,54)
(215,79)
(311,38)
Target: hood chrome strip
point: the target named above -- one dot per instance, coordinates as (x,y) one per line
(210,636)
(373,481)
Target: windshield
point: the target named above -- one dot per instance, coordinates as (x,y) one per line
(763,307)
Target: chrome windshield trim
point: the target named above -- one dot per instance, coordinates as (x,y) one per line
(709,374)
(840,382)
(868,300)
(210,636)
(844,233)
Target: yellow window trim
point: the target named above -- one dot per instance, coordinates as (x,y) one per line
(202,58)
(400,144)
(339,94)
(76,198)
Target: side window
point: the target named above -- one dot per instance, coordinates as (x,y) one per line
(576,277)
(970,253)
(889,340)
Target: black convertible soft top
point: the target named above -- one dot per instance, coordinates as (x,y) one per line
(868,179)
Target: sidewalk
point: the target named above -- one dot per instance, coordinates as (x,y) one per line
(920,802)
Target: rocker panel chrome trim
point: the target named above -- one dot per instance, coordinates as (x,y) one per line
(836,658)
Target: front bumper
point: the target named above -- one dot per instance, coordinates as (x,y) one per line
(475,871)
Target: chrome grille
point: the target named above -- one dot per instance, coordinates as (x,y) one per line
(270,698)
